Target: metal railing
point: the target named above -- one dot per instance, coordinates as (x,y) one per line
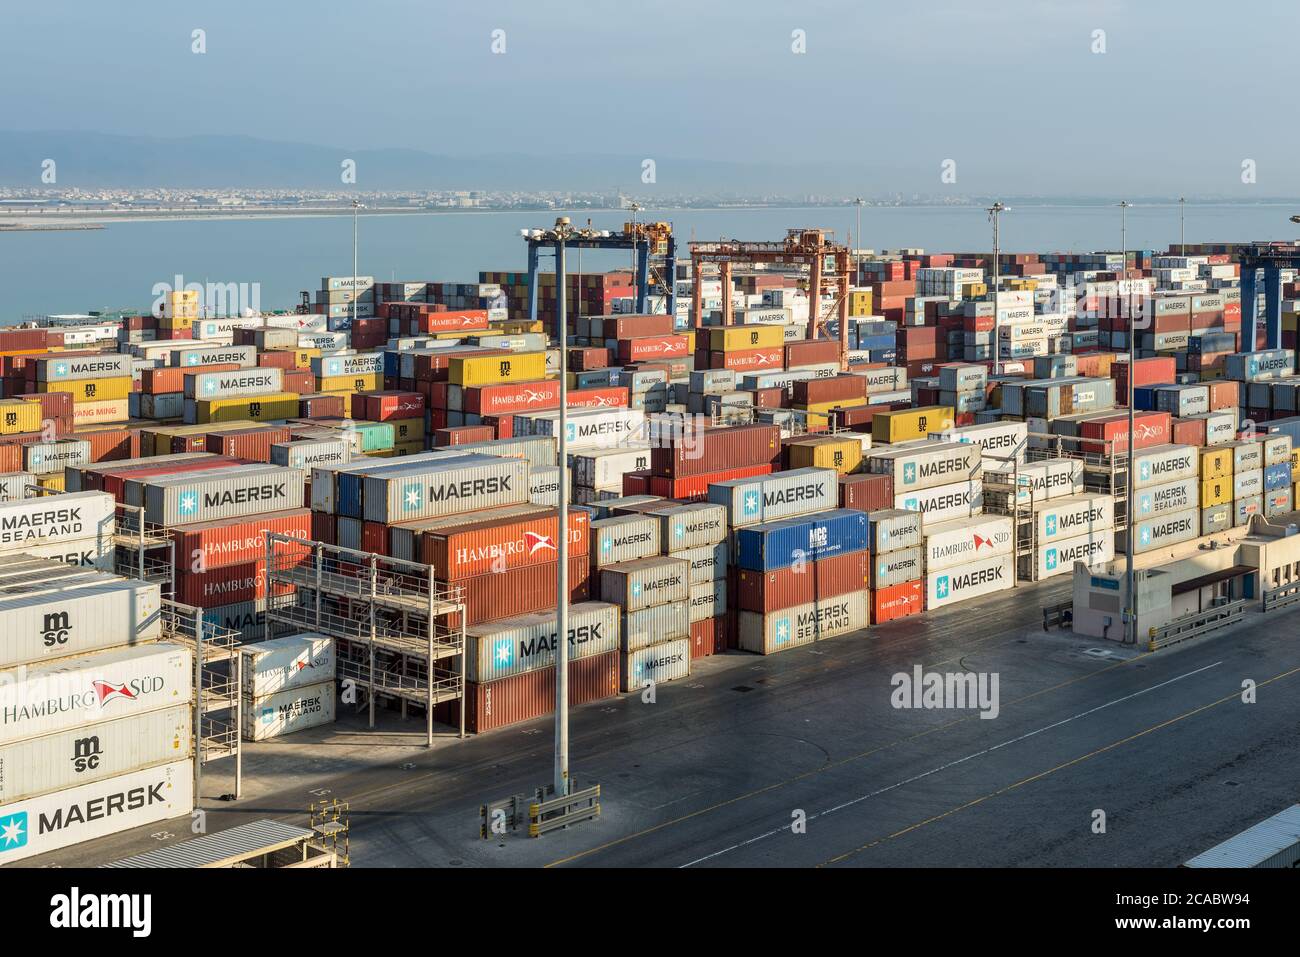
(1199,623)
(1282,597)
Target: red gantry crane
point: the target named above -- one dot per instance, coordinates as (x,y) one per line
(828,263)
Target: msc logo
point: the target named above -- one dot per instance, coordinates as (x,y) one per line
(838,458)
(412,496)
(11,418)
(504,368)
(753,338)
(923,424)
(503,653)
(255,409)
(86,753)
(90,390)
(1049,559)
(55,628)
(13,831)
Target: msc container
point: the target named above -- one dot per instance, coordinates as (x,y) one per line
(898,566)
(969,581)
(707,562)
(1216,519)
(645,582)
(786,587)
(196,498)
(489,370)
(1166,530)
(68,817)
(802,624)
(87,689)
(624,538)
(640,629)
(44,458)
(1216,464)
(522,697)
(943,503)
(1164,464)
(842,454)
(282,664)
(272,407)
(1059,557)
(683,527)
(48,624)
(965,540)
(666,661)
(794,541)
(890,529)
(84,755)
(288,711)
(1247,484)
(906,424)
(432,489)
(605,468)
(1176,496)
(749,501)
(73,516)
(525,643)
(261,380)
(500,544)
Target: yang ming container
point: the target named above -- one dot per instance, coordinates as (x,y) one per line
(512,646)
(666,661)
(802,624)
(645,582)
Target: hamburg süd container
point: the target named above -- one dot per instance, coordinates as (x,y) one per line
(496,544)
(965,540)
(282,664)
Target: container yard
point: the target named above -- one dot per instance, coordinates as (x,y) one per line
(234,538)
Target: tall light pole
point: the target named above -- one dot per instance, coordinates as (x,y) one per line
(563,231)
(356,205)
(859,202)
(995,214)
(1182,246)
(1130,622)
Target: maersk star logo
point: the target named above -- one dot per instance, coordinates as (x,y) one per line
(334,368)
(189,503)
(211,387)
(1050,559)
(412,497)
(1144,503)
(1145,470)
(909,473)
(570,432)
(783,631)
(909,504)
(13,831)
(1145,536)
(679,531)
(941,587)
(636,590)
(751,503)
(503,653)
(268,715)
(60,369)
(194,360)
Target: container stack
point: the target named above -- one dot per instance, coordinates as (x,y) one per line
(968,557)
(1166,490)
(1069,529)
(697,534)
(287,685)
(897,563)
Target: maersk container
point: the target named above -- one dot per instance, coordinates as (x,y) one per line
(708,600)
(1277,449)
(1217,518)
(74,516)
(44,458)
(645,582)
(1248,484)
(60,368)
(890,529)
(943,503)
(1183,400)
(1276,477)
(605,468)
(512,646)
(1043,480)
(72,692)
(1247,455)
(288,711)
(1066,396)
(708,562)
(1258,366)
(966,540)
(624,538)
(928,465)
(84,755)
(666,661)
(354,364)
(537,450)
(683,527)
(898,566)
(260,380)
(64,818)
(308,454)
(544,486)
(1167,530)
(776,631)
(1177,496)
(1074,515)
(1164,464)
(969,581)
(45,625)
(963,378)
(208,355)
(791,541)
(459,485)
(281,664)
(750,501)
(13,485)
(1244,508)
(591,428)
(1059,557)
(640,629)
(98,552)
(1277,502)
(999,441)
(175,501)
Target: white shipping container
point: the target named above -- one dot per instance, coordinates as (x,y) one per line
(943,503)
(83,755)
(1171,497)
(649,626)
(44,458)
(64,818)
(767,634)
(59,622)
(210,354)
(595,428)
(966,540)
(261,380)
(74,516)
(1247,484)
(666,661)
(432,489)
(281,664)
(605,468)
(1059,557)
(544,486)
(86,689)
(927,465)
(645,582)
(784,495)
(1166,530)
(288,711)
(177,501)
(1074,515)
(623,538)
(1043,480)
(307,454)
(682,527)
(708,562)
(897,566)
(969,581)
(1165,463)
(95,552)
(511,646)
(13,485)
(708,600)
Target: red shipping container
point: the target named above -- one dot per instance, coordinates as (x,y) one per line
(867,493)
(464,320)
(695,450)
(519,591)
(692,487)
(237,541)
(277,359)
(114,483)
(798,585)
(1150,428)
(897,601)
(321,406)
(811,352)
(172,378)
(374,537)
(461,434)
(324,528)
(606,397)
(773,398)
(11,457)
(856,418)
(55,406)
(503,426)
(842,388)
(636,326)
(111,444)
(747,360)
(507,701)
(1188,431)
(226,586)
(253,444)
(299,380)
(587,358)
(708,637)
(510,398)
(1157,370)
(652,347)
(634,483)
(1223,394)
(498,545)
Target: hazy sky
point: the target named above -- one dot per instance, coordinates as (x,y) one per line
(1011,91)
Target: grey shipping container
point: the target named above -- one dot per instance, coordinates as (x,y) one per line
(782,495)
(708,562)
(444,489)
(288,711)
(511,646)
(44,458)
(645,582)
(1217,518)
(803,624)
(624,538)
(1166,530)
(666,661)
(708,600)
(896,567)
(649,626)
(177,501)
(890,529)
(683,527)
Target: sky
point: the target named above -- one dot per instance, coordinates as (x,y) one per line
(1017,94)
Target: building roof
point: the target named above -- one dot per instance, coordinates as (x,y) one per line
(222,848)
(1256,844)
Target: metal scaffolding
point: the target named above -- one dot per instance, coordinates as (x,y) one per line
(399,633)
(143,550)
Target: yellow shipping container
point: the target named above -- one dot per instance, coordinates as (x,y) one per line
(974,290)
(488,370)
(90,390)
(826,452)
(907,424)
(1289,322)
(101,410)
(1295,464)
(407,430)
(733,338)
(54,481)
(1216,463)
(517,327)
(408,448)
(302,357)
(860,302)
(178,321)
(825,407)
(257,408)
(347,384)
(1216,491)
(1217,373)
(19,415)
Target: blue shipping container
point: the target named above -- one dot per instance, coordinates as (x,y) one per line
(1277,476)
(780,544)
(1144,398)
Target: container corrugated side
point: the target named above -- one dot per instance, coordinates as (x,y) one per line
(282,664)
(90,753)
(1164,464)
(750,501)
(445,489)
(55,624)
(1166,530)
(826,578)
(898,566)
(512,646)
(1091,548)
(178,501)
(708,562)
(499,544)
(50,519)
(506,701)
(648,626)
(624,538)
(1074,515)
(68,817)
(708,600)
(944,503)
(288,711)
(683,527)
(966,539)
(665,661)
(890,529)
(801,625)
(794,541)
(969,581)
(645,582)
(929,465)
(1174,496)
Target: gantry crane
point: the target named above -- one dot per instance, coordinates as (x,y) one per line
(827,262)
(1272,258)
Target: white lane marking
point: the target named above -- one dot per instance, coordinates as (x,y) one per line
(951,764)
